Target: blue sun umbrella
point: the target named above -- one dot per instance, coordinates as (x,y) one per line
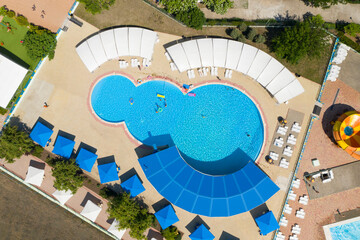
(108,172)
(202,233)
(267,223)
(86,159)
(41,134)
(63,147)
(133,186)
(166,217)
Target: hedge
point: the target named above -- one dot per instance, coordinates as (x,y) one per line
(344,39)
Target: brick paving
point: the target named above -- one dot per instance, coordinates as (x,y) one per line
(321,211)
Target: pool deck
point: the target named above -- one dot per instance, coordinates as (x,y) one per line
(65,83)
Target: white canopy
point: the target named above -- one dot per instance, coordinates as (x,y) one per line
(122,41)
(220,49)
(97,49)
(205,48)
(86,56)
(115,231)
(269,73)
(290,91)
(280,81)
(247,56)
(62,196)
(91,210)
(148,41)
(11,75)
(108,42)
(192,53)
(117,42)
(177,53)
(261,60)
(135,41)
(233,54)
(34,176)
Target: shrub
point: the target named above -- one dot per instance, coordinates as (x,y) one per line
(352,29)
(344,39)
(176,6)
(10,13)
(235,33)
(67,175)
(193,18)
(37,151)
(241,38)
(22,21)
(170,233)
(14,143)
(243,27)
(251,34)
(259,38)
(39,43)
(3,11)
(96,6)
(3,111)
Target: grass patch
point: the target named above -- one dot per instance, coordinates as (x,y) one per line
(12,43)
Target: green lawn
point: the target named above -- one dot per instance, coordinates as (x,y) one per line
(12,47)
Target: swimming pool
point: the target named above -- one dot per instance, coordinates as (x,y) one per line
(344,230)
(217,132)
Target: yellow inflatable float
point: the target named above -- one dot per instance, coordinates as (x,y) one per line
(346,132)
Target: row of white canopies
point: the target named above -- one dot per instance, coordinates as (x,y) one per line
(114,43)
(237,56)
(204,52)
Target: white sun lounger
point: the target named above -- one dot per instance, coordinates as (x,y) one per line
(173,66)
(293,237)
(274,155)
(167,56)
(280,236)
(296,183)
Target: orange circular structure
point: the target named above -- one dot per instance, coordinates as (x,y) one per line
(346,132)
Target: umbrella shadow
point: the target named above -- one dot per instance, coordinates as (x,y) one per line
(86,147)
(227,236)
(160,205)
(106,160)
(259,211)
(154,235)
(92,198)
(195,223)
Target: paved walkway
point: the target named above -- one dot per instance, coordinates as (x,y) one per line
(260,9)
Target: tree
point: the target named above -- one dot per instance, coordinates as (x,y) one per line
(170,233)
(67,175)
(251,34)
(352,29)
(193,18)
(39,43)
(176,6)
(324,3)
(130,215)
(304,39)
(14,143)
(96,6)
(219,6)
(10,13)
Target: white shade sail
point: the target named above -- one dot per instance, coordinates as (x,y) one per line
(108,42)
(247,56)
(91,211)
(290,91)
(205,48)
(271,70)
(97,49)
(62,196)
(233,54)
(122,41)
(220,50)
(135,41)
(115,231)
(280,81)
(192,53)
(261,60)
(177,53)
(11,75)
(34,176)
(148,41)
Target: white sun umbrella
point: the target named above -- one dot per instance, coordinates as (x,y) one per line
(91,210)
(62,196)
(34,176)
(115,231)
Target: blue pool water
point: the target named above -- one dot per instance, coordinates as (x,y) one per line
(349,231)
(217,132)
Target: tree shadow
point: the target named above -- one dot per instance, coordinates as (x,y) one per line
(270,34)
(332,113)
(15,121)
(340,25)
(287,19)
